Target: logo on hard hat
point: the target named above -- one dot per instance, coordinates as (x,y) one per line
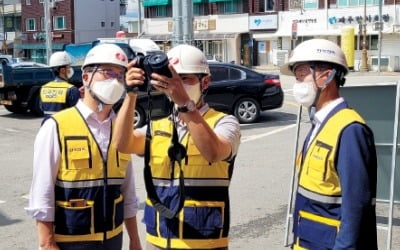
(120,57)
(174,60)
(326,51)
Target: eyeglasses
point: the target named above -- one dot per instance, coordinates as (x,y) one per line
(108,73)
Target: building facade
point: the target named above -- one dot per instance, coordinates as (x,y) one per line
(72,21)
(10,25)
(263,32)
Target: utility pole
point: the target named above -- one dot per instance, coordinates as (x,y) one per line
(139,30)
(364,58)
(187,13)
(177,34)
(47,25)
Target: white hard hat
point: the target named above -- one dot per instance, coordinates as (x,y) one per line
(188,59)
(59,58)
(106,53)
(316,50)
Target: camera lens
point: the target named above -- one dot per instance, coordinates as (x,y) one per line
(159,64)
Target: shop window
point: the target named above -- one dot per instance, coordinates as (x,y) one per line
(372,42)
(30,24)
(59,23)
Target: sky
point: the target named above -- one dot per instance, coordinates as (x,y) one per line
(131,12)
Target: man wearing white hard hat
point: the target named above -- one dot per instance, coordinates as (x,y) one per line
(189,156)
(83,189)
(337,167)
(59,94)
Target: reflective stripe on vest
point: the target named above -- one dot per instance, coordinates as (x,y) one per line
(83,176)
(318,178)
(200,177)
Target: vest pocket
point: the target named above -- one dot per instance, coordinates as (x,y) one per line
(318,161)
(118,211)
(316,231)
(77,152)
(71,220)
(203,219)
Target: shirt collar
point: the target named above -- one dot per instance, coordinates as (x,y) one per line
(89,113)
(321,115)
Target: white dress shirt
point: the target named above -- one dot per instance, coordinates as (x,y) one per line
(321,115)
(45,166)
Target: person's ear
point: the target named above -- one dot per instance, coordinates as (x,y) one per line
(205,82)
(85,76)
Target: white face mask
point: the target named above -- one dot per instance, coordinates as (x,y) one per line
(108,91)
(70,73)
(193,91)
(304,93)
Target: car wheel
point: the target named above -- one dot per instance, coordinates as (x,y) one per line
(247,110)
(139,118)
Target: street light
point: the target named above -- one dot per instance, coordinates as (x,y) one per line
(364,65)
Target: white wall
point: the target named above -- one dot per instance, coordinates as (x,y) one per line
(88,17)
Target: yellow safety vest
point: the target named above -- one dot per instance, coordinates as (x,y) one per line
(318,178)
(204,220)
(55,92)
(89,204)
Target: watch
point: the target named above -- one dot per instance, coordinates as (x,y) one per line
(189,106)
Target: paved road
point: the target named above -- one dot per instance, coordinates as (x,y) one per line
(259,190)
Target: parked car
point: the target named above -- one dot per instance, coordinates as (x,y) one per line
(243,92)
(233,89)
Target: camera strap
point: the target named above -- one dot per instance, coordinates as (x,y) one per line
(175,154)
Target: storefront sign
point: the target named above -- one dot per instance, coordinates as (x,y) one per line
(357,19)
(266,22)
(204,24)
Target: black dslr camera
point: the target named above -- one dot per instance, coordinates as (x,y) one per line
(152,63)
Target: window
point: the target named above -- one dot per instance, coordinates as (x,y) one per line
(225,73)
(103,24)
(30,24)
(28,2)
(310,4)
(112,24)
(372,42)
(42,24)
(158,11)
(59,23)
(355,3)
(267,5)
(200,9)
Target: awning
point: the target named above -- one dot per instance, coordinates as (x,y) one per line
(56,46)
(197,36)
(148,3)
